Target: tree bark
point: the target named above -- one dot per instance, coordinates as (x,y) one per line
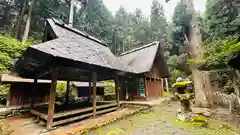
(71,12)
(235,82)
(28,23)
(20,19)
(202,85)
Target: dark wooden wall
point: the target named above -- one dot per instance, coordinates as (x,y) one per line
(20,93)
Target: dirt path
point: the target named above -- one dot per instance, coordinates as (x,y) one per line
(162,121)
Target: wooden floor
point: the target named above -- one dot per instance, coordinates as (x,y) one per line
(25,125)
(73,112)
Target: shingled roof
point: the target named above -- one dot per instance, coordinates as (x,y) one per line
(69,47)
(141,59)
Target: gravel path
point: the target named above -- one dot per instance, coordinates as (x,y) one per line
(160,120)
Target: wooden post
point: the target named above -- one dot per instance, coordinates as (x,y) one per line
(162,84)
(67,92)
(126,84)
(89,89)
(117,89)
(94,93)
(52,97)
(146,87)
(32,100)
(166,84)
(8,98)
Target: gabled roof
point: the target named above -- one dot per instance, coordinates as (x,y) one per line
(141,59)
(61,29)
(69,48)
(74,44)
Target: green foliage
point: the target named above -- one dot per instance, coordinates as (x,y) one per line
(10,50)
(222,17)
(158,21)
(131,30)
(177,62)
(109,87)
(175,74)
(61,89)
(217,52)
(4,89)
(96,20)
(181,19)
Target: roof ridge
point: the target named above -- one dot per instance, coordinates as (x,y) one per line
(139,48)
(79,32)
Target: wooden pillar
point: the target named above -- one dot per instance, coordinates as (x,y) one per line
(52,96)
(166,84)
(89,89)
(33,97)
(117,90)
(8,98)
(146,87)
(162,84)
(138,88)
(94,92)
(67,92)
(126,84)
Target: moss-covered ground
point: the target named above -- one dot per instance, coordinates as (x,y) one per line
(161,120)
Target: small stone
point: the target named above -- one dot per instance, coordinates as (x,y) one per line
(179,110)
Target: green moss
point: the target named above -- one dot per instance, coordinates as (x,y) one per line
(166,94)
(115,131)
(181,84)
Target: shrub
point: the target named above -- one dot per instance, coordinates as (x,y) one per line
(11,49)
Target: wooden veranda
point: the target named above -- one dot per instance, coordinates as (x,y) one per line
(70,55)
(56,115)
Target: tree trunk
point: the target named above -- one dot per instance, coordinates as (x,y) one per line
(71,12)
(19,22)
(235,83)
(28,23)
(202,85)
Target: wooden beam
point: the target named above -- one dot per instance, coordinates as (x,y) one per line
(72,119)
(52,97)
(41,115)
(67,92)
(107,110)
(63,114)
(117,89)
(94,93)
(106,106)
(33,93)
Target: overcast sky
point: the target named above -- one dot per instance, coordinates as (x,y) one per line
(145,5)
